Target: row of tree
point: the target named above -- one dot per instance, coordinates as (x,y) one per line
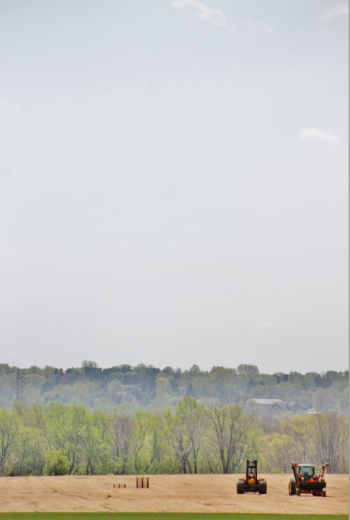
(147,388)
(214,436)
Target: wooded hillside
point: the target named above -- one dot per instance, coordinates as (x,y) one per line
(146,388)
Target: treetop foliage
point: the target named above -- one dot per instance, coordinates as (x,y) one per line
(147,388)
(212,435)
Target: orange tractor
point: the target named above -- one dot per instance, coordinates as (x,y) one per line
(251,483)
(307,481)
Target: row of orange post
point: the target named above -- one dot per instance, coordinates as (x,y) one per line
(142,482)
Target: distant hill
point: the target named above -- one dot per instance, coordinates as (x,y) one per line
(148,388)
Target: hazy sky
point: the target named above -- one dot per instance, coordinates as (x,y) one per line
(174,183)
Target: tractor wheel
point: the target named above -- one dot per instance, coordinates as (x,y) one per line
(240,488)
(297,490)
(324,493)
(292,486)
(262,487)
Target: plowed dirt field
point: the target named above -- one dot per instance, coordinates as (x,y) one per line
(168,493)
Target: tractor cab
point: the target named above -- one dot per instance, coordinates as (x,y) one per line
(306,481)
(306,471)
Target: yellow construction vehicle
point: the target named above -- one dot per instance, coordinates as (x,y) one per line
(252,484)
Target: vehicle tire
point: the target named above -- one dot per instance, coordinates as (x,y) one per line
(292,487)
(324,494)
(240,488)
(262,487)
(297,490)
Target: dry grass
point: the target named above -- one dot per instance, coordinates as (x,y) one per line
(167,493)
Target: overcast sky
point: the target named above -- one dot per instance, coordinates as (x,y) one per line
(174,183)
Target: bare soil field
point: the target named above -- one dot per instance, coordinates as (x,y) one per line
(167,493)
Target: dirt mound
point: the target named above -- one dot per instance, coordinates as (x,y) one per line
(170,493)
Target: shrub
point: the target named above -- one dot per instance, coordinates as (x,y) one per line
(56,463)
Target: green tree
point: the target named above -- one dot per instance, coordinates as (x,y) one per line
(248,369)
(163,385)
(192,415)
(330,441)
(89,364)
(29,449)
(177,439)
(9,429)
(64,429)
(140,429)
(121,438)
(321,400)
(190,391)
(279,450)
(56,463)
(227,434)
(95,438)
(299,429)
(114,387)
(162,458)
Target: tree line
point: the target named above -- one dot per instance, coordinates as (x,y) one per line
(147,388)
(214,435)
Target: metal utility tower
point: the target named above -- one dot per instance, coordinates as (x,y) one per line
(21,385)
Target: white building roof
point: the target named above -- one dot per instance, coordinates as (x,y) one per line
(268,401)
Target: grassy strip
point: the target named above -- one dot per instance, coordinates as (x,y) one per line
(165,516)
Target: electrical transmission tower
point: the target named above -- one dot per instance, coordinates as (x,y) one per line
(21,385)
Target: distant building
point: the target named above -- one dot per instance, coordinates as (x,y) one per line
(282,405)
(268,402)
